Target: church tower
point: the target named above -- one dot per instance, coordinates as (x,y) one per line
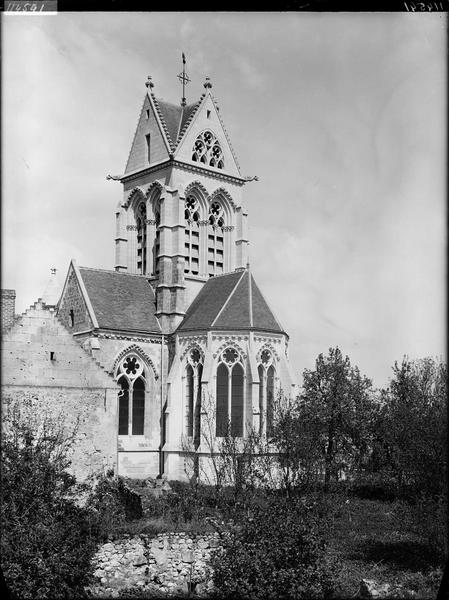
(182,219)
(180,323)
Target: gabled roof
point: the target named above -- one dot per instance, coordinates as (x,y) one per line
(175,118)
(169,126)
(121,301)
(231,301)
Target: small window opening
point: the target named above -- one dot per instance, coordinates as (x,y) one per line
(52,355)
(147,137)
(72,317)
(208,114)
(148,113)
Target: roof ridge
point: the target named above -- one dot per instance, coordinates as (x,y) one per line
(162,120)
(269,307)
(223,275)
(189,120)
(228,298)
(179,124)
(135,132)
(167,102)
(114,272)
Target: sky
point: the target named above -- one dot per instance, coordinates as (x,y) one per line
(342,116)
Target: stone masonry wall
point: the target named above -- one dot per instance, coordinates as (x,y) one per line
(168,563)
(88,414)
(8,308)
(47,374)
(73,300)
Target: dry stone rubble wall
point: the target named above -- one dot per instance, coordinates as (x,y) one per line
(169,562)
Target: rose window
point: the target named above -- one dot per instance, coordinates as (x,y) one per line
(265,357)
(230,356)
(195,356)
(132,366)
(207,150)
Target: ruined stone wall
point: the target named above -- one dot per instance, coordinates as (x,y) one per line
(48,376)
(169,562)
(88,415)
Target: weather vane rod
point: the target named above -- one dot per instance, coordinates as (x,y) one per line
(184,79)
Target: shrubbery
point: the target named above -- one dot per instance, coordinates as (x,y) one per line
(113,503)
(278,552)
(47,540)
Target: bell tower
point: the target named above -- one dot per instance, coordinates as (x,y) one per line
(182,218)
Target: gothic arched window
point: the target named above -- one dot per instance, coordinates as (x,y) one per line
(207,150)
(267,374)
(270,400)
(215,239)
(141,223)
(192,235)
(194,371)
(131,377)
(230,394)
(157,243)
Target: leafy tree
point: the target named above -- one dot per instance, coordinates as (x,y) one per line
(412,426)
(337,409)
(277,552)
(296,458)
(47,540)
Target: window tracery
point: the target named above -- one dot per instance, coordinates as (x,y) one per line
(193,374)
(131,377)
(215,239)
(230,394)
(157,242)
(192,235)
(267,374)
(207,150)
(141,224)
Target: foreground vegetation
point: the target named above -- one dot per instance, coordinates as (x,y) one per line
(356,490)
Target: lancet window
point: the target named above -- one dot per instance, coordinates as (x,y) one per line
(157,243)
(207,150)
(267,374)
(215,239)
(141,224)
(192,235)
(230,394)
(193,374)
(132,380)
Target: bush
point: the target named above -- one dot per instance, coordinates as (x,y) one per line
(47,540)
(278,552)
(374,487)
(113,503)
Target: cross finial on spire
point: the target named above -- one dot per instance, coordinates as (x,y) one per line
(149,82)
(184,79)
(207,83)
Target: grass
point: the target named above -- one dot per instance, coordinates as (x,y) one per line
(369,541)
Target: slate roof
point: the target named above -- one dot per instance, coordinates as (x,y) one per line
(120,300)
(175,118)
(231,301)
